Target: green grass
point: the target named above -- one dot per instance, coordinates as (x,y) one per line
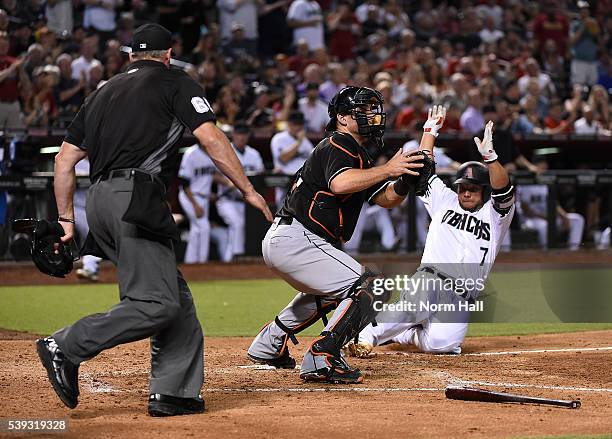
(240,308)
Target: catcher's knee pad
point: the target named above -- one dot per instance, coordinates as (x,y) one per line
(322,310)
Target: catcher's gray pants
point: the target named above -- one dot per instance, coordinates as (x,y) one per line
(155,299)
(315,268)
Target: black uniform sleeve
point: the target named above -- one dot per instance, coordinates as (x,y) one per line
(76,131)
(189,103)
(337,162)
(503,199)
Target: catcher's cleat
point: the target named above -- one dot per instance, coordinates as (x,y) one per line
(63,374)
(339,373)
(87,275)
(358,350)
(165,405)
(284,361)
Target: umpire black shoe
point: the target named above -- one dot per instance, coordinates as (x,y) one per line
(165,405)
(63,374)
(284,361)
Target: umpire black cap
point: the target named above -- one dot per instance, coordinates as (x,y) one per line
(474,173)
(151,36)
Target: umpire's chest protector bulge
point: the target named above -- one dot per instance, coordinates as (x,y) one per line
(311,201)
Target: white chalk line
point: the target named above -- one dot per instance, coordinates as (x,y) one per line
(534,351)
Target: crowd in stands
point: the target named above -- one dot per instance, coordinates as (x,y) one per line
(547,63)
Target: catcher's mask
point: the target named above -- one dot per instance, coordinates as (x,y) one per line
(365,105)
(50,255)
(474,173)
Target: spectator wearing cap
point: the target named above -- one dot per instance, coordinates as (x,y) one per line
(260,116)
(85,62)
(290,148)
(306,19)
(243,12)
(59,17)
(41,108)
(555,122)
(413,114)
(238,47)
(472,120)
(584,41)
(12,78)
(338,76)
(314,110)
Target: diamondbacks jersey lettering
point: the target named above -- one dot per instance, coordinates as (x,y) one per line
(198,169)
(459,239)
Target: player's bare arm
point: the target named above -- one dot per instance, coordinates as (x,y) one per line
(63,185)
(355,180)
(218,147)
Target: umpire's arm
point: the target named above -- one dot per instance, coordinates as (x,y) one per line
(218,147)
(64,182)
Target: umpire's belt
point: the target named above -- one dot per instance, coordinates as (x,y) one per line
(442,276)
(136,174)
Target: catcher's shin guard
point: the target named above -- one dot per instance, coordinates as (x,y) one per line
(324,361)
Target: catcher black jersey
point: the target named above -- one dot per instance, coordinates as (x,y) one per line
(136,119)
(311,201)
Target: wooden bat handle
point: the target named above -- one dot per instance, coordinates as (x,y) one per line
(473,394)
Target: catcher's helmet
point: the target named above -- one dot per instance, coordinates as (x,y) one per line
(474,173)
(356,101)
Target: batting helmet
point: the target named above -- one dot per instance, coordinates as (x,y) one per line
(474,173)
(356,101)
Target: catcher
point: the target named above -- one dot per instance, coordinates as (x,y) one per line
(321,211)
(465,235)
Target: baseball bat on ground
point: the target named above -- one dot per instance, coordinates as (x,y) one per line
(473,394)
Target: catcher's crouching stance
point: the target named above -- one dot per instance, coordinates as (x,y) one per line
(320,210)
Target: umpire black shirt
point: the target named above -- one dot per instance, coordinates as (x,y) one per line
(136,119)
(311,201)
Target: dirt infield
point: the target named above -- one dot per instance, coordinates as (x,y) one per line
(402,396)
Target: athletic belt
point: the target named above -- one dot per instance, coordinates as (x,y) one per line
(441,276)
(136,174)
(283,220)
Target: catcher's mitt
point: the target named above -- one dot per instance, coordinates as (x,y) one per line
(50,255)
(417,183)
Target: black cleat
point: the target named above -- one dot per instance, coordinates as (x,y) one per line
(165,405)
(284,361)
(63,374)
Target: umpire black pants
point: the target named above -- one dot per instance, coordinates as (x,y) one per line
(155,299)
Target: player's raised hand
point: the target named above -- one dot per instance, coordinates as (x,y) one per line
(401,164)
(435,120)
(485,146)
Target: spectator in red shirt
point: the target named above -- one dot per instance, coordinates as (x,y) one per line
(551,24)
(555,123)
(344,29)
(11,77)
(408,117)
(301,59)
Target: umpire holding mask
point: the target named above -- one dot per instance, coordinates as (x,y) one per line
(129,128)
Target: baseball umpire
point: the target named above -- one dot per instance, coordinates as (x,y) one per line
(129,128)
(321,210)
